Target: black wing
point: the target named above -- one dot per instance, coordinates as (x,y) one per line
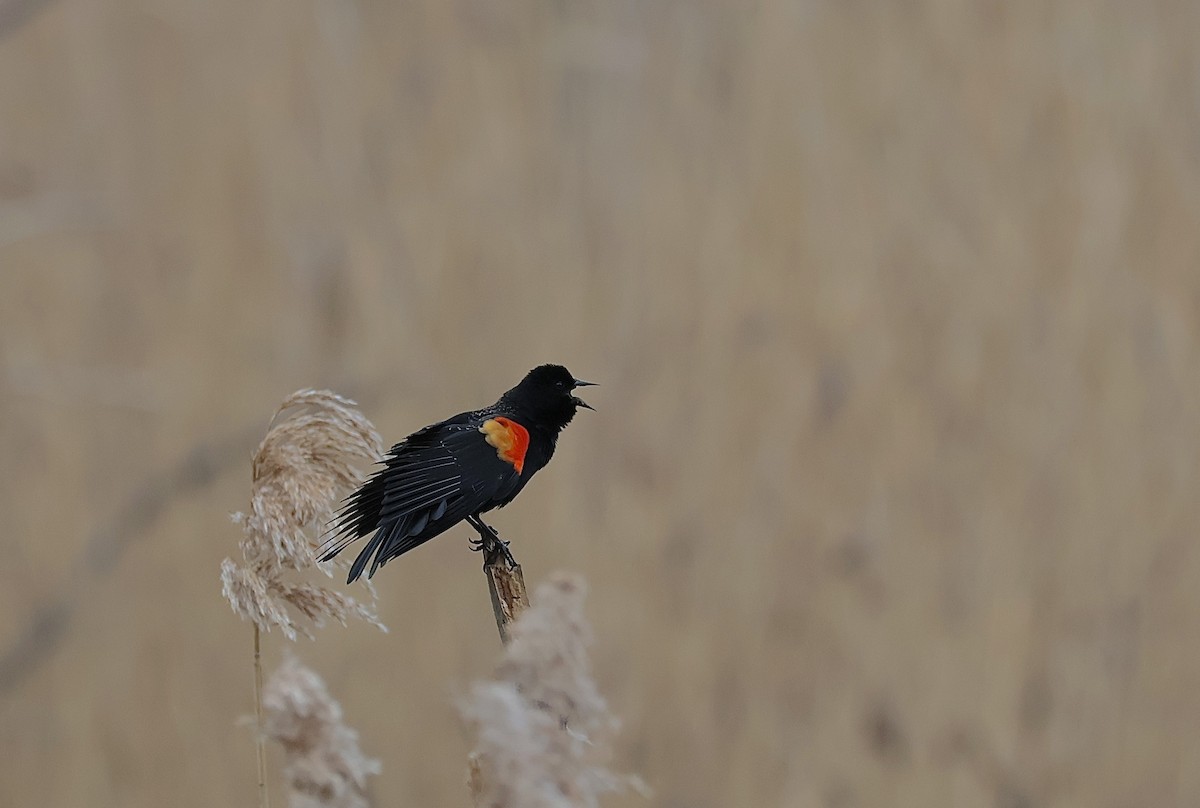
(431,481)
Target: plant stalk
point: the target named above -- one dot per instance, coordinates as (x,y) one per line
(260,736)
(506,584)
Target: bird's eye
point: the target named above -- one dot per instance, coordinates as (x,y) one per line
(561,383)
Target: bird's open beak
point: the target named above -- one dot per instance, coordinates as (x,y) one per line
(579,402)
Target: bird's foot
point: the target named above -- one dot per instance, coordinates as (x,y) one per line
(493,549)
(490,544)
(502,548)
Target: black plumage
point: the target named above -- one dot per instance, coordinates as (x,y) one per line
(456,470)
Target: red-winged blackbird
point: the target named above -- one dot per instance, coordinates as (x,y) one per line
(457,469)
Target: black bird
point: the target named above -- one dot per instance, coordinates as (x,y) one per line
(456,470)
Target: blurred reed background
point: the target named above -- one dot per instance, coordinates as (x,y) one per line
(891,494)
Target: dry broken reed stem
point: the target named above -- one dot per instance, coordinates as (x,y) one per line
(510,599)
(305,464)
(543,731)
(506,585)
(264,797)
(324,766)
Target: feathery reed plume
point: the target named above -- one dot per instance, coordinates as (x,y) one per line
(302,468)
(325,768)
(543,731)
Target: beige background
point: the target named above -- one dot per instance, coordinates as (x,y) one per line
(891,497)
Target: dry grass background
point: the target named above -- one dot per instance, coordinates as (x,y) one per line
(891,498)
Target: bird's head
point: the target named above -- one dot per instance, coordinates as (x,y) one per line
(547,393)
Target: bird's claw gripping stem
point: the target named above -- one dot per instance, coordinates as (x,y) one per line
(490,544)
(500,547)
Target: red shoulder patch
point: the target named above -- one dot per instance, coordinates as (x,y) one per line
(510,439)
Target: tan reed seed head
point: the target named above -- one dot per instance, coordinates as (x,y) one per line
(324,766)
(543,732)
(306,463)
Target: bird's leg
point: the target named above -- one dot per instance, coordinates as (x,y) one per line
(489,542)
(484,531)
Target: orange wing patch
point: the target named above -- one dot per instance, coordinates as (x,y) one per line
(510,439)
